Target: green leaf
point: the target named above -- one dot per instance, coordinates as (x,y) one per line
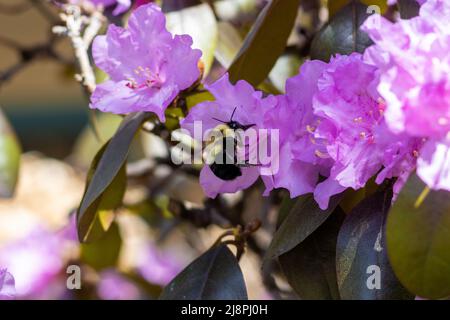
(285,208)
(335,5)
(265,42)
(109,166)
(200,23)
(418,239)
(213,276)
(310,267)
(194,99)
(408,8)
(105,252)
(10,152)
(342,33)
(303,219)
(361,252)
(97,217)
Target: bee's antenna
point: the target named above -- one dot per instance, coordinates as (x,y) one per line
(219,120)
(232,115)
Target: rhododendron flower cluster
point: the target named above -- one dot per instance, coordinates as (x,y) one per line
(347,132)
(147,66)
(331,124)
(338,125)
(414,61)
(338,131)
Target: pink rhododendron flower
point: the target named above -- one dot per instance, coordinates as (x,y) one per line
(342,131)
(147,66)
(414,61)
(247,107)
(293,115)
(7,285)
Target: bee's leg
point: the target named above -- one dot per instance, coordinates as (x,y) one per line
(248,126)
(249,165)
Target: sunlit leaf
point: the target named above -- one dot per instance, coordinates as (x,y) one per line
(200,23)
(418,239)
(265,42)
(363,269)
(10,151)
(286,66)
(215,275)
(104,252)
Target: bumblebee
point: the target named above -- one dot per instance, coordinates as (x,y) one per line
(225,165)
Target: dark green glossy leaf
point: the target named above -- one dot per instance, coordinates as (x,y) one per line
(265,42)
(175,5)
(310,267)
(361,257)
(408,8)
(109,166)
(418,240)
(285,208)
(10,152)
(104,252)
(97,217)
(213,276)
(342,33)
(304,218)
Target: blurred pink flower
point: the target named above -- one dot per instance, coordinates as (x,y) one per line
(247,107)
(7,285)
(414,61)
(34,260)
(147,66)
(114,286)
(156,266)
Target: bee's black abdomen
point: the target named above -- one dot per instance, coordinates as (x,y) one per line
(226,172)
